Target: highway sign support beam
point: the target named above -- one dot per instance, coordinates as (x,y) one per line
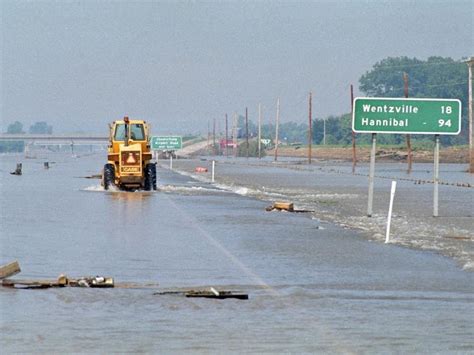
(371,175)
(436,176)
(406,116)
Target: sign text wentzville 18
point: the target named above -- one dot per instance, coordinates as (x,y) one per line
(410,116)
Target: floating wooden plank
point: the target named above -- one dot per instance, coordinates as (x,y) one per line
(217,295)
(281,206)
(30,283)
(287,206)
(62,281)
(9,270)
(211,293)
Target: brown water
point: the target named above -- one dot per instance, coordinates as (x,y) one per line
(314,287)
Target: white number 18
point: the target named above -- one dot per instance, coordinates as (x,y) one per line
(446,110)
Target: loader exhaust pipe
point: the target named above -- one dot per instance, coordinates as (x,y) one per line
(127,135)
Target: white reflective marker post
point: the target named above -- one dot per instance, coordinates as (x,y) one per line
(171,161)
(389,218)
(213,166)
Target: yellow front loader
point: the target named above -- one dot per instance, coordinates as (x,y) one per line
(129,165)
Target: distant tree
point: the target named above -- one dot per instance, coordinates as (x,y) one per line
(338,130)
(436,77)
(253,149)
(318,131)
(41,128)
(253,129)
(293,132)
(15,128)
(13,146)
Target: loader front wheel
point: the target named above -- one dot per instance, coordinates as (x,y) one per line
(109,175)
(153,174)
(150,177)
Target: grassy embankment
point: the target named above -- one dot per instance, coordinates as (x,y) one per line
(421,153)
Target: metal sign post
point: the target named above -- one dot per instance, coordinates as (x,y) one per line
(371,175)
(406,116)
(436,176)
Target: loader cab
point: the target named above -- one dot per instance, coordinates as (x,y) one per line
(136,131)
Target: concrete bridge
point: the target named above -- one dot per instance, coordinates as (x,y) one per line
(190,147)
(45,138)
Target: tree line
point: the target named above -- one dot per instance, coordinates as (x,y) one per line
(436,77)
(17,128)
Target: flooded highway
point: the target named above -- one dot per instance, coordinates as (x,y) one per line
(314,285)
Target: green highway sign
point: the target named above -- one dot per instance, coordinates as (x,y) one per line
(408,116)
(166,142)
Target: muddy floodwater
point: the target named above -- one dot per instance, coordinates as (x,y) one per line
(318,282)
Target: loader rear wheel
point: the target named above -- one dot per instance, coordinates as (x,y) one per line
(109,175)
(150,177)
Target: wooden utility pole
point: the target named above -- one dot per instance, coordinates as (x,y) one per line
(259,131)
(276,129)
(226,136)
(234,134)
(208,137)
(353,133)
(405,81)
(310,128)
(214,138)
(247,130)
(470,63)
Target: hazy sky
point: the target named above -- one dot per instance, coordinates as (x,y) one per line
(81,64)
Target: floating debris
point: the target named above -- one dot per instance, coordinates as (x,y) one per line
(62,281)
(95,281)
(18,170)
(284,206)
(281,206)
(212,293)
(10,269)
(209,293)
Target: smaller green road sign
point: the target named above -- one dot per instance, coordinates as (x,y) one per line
(166,142)
(410,116)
